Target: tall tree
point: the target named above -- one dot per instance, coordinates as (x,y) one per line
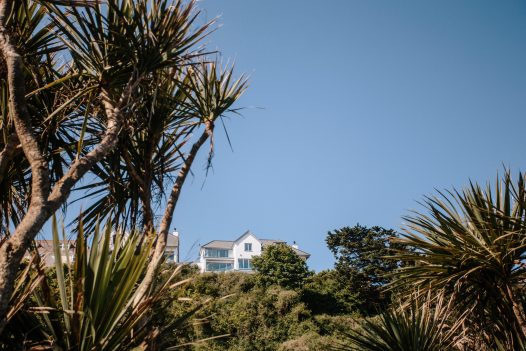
(280,265)
(362,265)
(98,83)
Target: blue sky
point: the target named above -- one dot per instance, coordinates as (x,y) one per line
(356,110)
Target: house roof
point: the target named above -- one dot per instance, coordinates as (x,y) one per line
(301,252)
(220,244)
(265,242)
(172,240)
(48,244)
(247,233)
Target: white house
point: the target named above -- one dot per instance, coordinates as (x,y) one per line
(47,253)
(236,255)
(171,252)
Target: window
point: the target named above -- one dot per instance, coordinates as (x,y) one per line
(216,253)
(244,263)
(218,267)
(248,247)
(170,256)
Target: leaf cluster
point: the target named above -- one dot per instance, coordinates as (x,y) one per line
(280,265)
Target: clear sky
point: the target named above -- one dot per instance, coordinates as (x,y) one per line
(356,110)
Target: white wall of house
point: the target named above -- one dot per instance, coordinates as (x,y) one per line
(240,251)
(203,260)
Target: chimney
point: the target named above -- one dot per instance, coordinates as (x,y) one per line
(294,245)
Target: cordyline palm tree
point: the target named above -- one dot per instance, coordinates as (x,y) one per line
(472,244)
(160,150)
(429,324)
(84,87)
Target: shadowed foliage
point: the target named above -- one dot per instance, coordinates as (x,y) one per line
(427,325)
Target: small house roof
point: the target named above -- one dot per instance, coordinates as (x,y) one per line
(219,244)
(247,233)
(266,242)
(301,252)
(172,240)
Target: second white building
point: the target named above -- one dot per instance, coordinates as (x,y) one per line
(236,255)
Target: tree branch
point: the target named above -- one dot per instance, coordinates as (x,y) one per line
(81,166)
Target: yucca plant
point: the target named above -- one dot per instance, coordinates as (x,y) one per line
(429,324)
(20,328)
(472,244)
(88,304)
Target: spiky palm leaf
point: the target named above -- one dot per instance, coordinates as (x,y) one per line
(117,39)
(473,244)
(179,104)
(431,324)
(48,101)
(94,291)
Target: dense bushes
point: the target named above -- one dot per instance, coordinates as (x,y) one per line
(248,316)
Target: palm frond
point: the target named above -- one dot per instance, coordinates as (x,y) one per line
(431,324)
(472,243)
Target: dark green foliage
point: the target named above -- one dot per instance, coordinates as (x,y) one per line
(280,265)
(426,325)
(325,293)
(260,319)
(246,315)
(362,266)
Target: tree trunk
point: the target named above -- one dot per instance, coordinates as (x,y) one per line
(43,203)
(13,249)
(166,222)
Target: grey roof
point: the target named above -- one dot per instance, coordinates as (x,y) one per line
(265,242)
(248,232)
(301,253)
(172,240)
(220,244)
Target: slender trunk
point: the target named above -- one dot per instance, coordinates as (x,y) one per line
(13,249)
(166,222)
(144,193)
(81,166)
